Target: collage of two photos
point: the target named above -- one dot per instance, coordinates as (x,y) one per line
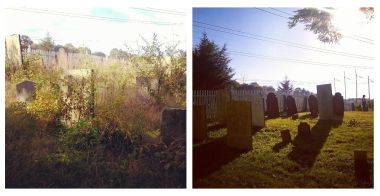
(282,97)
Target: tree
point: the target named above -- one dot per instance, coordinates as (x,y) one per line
(26,42)
(210,65)
(47,43)
(118,54)
(285,86)
(71,48)
(320,22)
(84,50)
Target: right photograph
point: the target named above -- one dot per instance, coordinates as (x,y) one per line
(283,97)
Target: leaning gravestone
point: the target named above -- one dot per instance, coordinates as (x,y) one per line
(13,51)
(338,105)
(173,125)
(25,90)
(239,125)
(272,106)
(291,106)
(325,102)
(199,123)
(313,106)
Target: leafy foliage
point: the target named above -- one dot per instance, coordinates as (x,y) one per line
(285,86)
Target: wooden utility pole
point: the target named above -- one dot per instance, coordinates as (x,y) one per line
(356,81)
(345,95)
(369,91)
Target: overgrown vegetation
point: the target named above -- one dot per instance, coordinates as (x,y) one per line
(325,161)
(118,146)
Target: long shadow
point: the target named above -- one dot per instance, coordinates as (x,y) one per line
(211,156)
(277,147)
(306,149)
(306,116)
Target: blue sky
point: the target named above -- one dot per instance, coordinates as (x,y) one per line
(269,72)
(98,35)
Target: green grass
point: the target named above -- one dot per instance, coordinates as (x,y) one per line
(324,161)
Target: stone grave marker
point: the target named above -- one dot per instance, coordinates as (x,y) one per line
(304,104)
(313,106)
(304,129)
(62,58)
(199,123)
(173,125)
(286,137)
(325,102)
(361,165)
(258,111)
(291,105)
(13,50)
(272,106)
(239,125)
(338,105)
(25,90)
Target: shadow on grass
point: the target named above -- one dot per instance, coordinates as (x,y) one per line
(279,146)
(307,116)
(306,149)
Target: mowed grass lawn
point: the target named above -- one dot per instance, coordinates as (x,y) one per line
(325,160)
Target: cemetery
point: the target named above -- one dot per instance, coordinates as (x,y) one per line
(76,121)
(255,139)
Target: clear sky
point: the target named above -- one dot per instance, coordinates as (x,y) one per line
(350,21)
(99,34)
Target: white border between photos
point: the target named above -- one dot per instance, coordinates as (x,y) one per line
(187,4)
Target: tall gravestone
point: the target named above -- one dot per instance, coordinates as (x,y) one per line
(272,106)
(199,123)
(257,111)
(291,105)
(304,104)
(313,106)
(325,102)
(13,50)
(338,105)
(173,125)
(239,125)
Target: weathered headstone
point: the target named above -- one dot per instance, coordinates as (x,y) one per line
(25,90)
(338,105)
(286,137)
(272,106)
(13,50)
(199,123)
(304,104)
(62,58)
(258,111)
(291,105)
(173,125)
(325,102)
(239,125)
(313,106)
(303,129)
(361,165)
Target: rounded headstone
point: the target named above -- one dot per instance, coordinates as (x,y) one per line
(291,105)
(25,90)
(303,129)
(313,105)
(338,104)
(272,106)
(285,135)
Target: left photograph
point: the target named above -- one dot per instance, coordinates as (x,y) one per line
(95,98)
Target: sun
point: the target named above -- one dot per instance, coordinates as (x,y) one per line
(347,20)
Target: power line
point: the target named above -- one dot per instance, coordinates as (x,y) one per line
(297,60)
(160,11)
(271,13)
(282,11)
(83,16)
(278,41)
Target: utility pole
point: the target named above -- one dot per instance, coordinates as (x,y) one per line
(345,95)
(369,91)
(334,86)
(356,81)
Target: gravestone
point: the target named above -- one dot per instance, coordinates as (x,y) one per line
(13,51)
(325,102)
(291,105)
(239,125)
(173,125)
(257,111)
(294,116)
(199,123)
(352,107)
(303,129)
(25,90)
(313,106)
(75,81)
(62,58)
(338,105)
(286,137)
(361,165)
(272,106)
(285,108)
(304,104)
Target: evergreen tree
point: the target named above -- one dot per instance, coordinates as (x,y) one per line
(285,86)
